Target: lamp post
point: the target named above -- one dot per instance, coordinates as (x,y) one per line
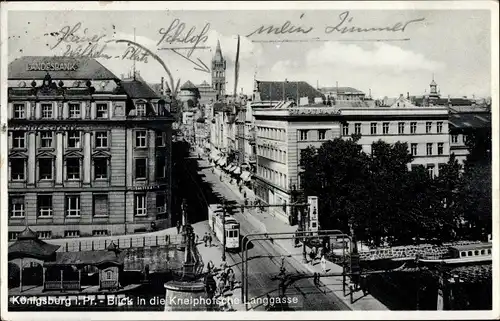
(224,232)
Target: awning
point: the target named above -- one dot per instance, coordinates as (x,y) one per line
(246,176)
(237,170)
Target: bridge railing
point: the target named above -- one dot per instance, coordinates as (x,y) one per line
(425,250)
(121,243)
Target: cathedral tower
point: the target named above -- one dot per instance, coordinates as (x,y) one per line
(219,73)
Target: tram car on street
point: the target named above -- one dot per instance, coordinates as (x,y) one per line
(231,226)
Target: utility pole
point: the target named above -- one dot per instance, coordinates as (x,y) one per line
(223,232)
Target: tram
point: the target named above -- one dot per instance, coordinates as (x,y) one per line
(232,227)
(469,253)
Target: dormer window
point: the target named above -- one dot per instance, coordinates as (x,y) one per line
(141,109)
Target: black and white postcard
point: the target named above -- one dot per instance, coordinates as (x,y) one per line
(163,160)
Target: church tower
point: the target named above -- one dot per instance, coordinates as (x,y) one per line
(434,93)
(219,73)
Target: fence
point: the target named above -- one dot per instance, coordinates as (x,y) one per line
(121,243)
(426,250)
(62,285)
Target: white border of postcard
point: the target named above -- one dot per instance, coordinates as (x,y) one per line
(287,5)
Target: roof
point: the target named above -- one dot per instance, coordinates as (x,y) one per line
(341,90)
(418,101)
(218,53)
(138,89)
(28,245)
(204,84)
(273,90)
(88,258)
(470,120)
(188,85)
(58,68)
(468,247)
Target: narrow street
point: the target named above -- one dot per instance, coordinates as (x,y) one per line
(265,257)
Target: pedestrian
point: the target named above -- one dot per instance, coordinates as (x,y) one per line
(205,239)
(178,227)
(210,240)
(220,287)
(231,279)
(323,264)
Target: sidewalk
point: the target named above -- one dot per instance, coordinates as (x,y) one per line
(271,224)
(214,253)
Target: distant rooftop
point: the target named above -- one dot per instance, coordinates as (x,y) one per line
(341,90)
(277,90)
(139,89)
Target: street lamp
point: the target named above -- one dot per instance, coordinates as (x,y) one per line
(224,232)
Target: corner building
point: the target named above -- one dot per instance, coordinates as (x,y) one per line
(89,154)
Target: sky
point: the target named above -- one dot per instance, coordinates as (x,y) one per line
(454,46)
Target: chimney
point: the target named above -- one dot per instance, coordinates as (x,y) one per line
(408,95)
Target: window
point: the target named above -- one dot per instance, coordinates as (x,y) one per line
(73,168)
(101,139)
(414,149)
(140,138)
(18,140)
(428,127)
(100,205)
(73,205)
(102,111)
(413,127)
(401,127)
(74,111)
(46,139)
(100,168)
(16,206)
(373,128)
(17,169)
(357,128)
(440,148)
(385,128)
(73,139)
(140,168)
(141,109)
(454,139)
(101,233)
(47,110)
(45,168)
(345,130)
(44,203)
(72,233)
(429,148)
(303,134)
(160,167)
(13,236)
(322,134)
(161,202)
(430,170)
(19,111)
(463,254)
(44,235)
(140,205)
(160,139)
(439,127)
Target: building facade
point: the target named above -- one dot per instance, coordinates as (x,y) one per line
(284,129)
(85,157)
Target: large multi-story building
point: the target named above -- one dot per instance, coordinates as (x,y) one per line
(89,154)
(285,129)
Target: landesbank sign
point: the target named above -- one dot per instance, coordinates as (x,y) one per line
(52,66)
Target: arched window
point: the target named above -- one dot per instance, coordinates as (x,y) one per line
(109,275)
